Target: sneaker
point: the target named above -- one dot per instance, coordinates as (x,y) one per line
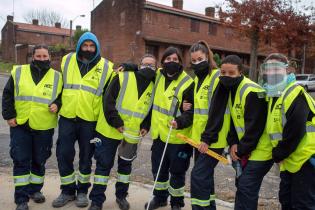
(38,197)
(62,200)
(155,204)
(123,203)
(81,200)
(95,207)
(22,206)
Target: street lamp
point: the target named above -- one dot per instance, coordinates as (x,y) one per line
(71,21)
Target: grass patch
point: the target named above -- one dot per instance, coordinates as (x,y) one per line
(5,67)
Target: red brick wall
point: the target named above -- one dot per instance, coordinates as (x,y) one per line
(7,43)
(116,25)
(33,38)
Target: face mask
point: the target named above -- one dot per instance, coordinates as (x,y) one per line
(275,90)
(201,68)
(147,73)
(88,55)
(172,68)
(230,82)
(42,65)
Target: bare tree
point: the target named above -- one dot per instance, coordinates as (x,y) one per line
(45,17)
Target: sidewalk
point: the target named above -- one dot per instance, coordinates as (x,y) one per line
(138,195)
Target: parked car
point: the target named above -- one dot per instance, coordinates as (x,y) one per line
(306,80)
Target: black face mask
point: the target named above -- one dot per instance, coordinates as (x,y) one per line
(172,68)
(147,73)
(230,82)
(88,55)
(273,79)
(42,65)
(201,68)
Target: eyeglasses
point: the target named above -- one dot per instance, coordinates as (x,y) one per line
(150,66)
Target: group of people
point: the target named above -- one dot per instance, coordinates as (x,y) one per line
(108,112)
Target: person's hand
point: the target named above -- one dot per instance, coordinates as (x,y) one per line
(120,69)
(186,106)
(173,123)
(12,122)
(203,147)
(233,152)
(121,129)
(143,132)
(53,108)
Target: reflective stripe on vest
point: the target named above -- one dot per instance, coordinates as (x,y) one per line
(174,101)
(84,178)
(101,180)
(161,185)
(277,136)
(94,91)
(176,192)
(198,202)
(65,180)
(35,98)
(21,180)
(34,179)
(247,85)
(284,119)
(123,178)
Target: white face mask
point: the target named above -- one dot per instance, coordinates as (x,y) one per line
(197,62)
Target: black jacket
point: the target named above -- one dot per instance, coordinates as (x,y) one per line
(8,109)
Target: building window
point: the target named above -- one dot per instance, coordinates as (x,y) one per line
(194,25)
(148,17)
(152,49)
(122,18)
(213,28)
(173,22)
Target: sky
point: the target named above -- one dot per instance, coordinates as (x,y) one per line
(70,9)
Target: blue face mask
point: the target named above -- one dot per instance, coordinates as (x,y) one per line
(277,89)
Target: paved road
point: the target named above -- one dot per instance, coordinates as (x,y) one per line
(224,176)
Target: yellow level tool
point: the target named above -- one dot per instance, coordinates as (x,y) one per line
(196,145)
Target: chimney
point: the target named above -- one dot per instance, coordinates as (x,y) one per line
(10,18)
(210,12)
(78,28)
(58,25)
(35,22)
(178,4)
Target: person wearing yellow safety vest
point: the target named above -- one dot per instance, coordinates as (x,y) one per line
(173,86)
(291,127)
(206,82)
(124,119)
(250,145)
(31,100)
(85,76)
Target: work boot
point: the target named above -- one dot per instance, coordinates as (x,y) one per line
(154,204)
(95,207)
(62,200)
(123,203)
(38,197)
(176,208)
(81,200)
(22,206)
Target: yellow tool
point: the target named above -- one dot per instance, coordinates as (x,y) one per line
(196,145)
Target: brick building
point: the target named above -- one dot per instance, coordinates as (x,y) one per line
(128,29)
(18,39)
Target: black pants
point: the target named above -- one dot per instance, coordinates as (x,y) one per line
(297,190)
(171,179)
(249,183)
(29,150)
(202,182)
(105,157)
(71,131)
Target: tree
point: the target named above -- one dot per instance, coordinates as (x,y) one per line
(45,17)
(253,19)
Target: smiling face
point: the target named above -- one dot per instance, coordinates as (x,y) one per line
(148,62)
(197,57)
